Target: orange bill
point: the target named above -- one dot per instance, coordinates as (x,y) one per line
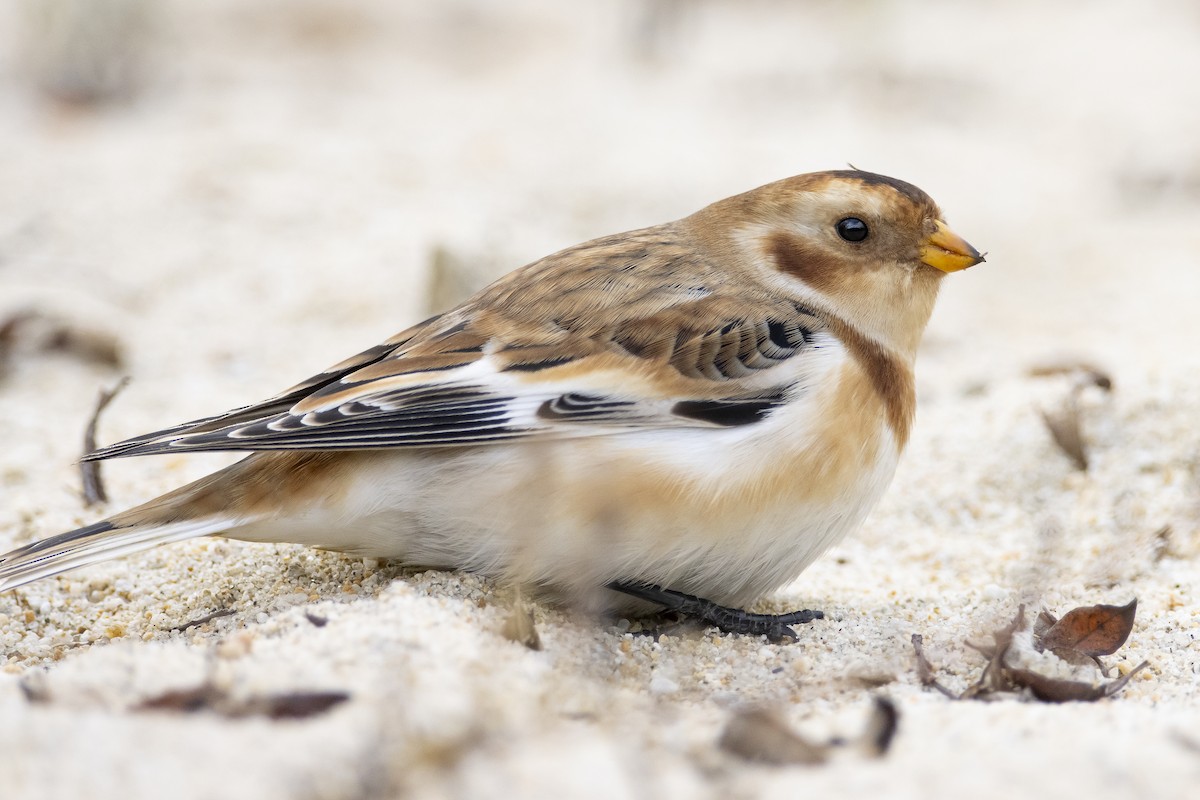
(948,251)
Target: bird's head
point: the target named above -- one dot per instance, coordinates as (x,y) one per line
(868,248)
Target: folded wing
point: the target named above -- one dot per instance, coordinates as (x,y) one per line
(544,352)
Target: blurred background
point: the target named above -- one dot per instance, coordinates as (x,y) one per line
(222,198)
(219,199)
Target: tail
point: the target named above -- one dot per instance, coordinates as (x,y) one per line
(98,542)
(234,501)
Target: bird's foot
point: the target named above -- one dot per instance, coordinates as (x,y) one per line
(730,620)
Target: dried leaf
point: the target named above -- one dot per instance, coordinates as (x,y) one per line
(1098,630)
(40,331)
(925,671)
(867,680)
(1091,627)
(1044,622)
(881,727)
(297,705)
(8,335)
(93,346)
(1072,366)
(1189,743)
(993,678)
(1162,543)
(520,626)
(759,735)
(93,484)
(1058,690)
(1065,425)
(1065,429)
(1055,690)
(289,705)
(183,700)
(83,55)
(35,688)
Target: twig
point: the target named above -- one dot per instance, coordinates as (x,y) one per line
(925,670)
(224,612)
(93,484)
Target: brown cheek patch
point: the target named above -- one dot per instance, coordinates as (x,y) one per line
(823,271)
(890,377)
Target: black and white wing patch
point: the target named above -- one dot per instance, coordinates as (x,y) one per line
(428,394)
(724,413)
(280,404)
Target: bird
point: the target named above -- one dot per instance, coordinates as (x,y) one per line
(682,416)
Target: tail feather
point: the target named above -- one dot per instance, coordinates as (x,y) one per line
(97,542)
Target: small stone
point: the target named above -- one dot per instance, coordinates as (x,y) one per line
(993,593)
(662,685)
(235,646)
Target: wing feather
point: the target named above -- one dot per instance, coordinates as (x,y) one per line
(541,353)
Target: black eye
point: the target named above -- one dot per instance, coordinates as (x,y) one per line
(852,229)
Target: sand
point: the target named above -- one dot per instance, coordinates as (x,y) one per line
(268,195)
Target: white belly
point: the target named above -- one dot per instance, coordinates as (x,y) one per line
(725,514)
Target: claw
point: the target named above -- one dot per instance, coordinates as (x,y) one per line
(730,620)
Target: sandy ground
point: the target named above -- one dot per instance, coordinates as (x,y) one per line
(269,197)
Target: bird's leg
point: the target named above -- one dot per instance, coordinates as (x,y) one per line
(730,620)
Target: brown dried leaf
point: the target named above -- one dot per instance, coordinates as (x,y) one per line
(994,679)
(1055,690)
(1065,425)
(296,705)
(881,727)
(183,700)
(93,346)
(1089,628)
(759,735)
(1067,432)
(1073,366)
(1162,543)
(1098,630)
(1058,690)
(870,679)
(8,335)
(290,705)
(38,330)
(1044,622)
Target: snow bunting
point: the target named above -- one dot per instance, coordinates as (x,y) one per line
(688,414)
